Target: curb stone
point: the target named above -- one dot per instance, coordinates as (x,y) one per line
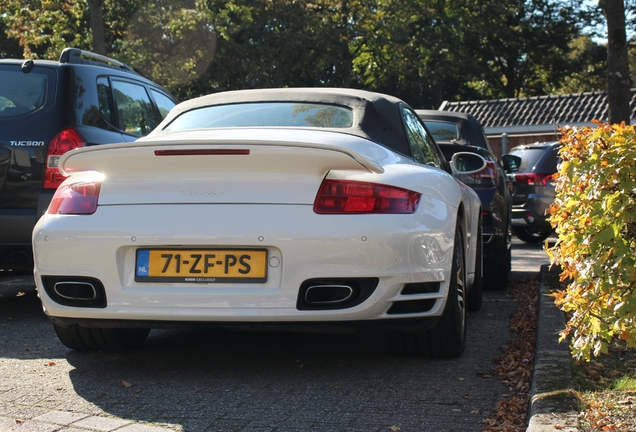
(553,407)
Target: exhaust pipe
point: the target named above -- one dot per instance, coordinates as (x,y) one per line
(328,294)
(75,291)
(334,293)
(72,290)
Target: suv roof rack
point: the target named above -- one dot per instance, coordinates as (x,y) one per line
(78,56)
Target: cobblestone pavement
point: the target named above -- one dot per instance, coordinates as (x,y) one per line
(238,381)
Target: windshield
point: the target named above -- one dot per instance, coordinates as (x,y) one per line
(262,114)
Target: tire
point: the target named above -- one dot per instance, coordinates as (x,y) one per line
(474,299)
(497,269)
(101,339)
(531,235)
(447,339)
(498,265)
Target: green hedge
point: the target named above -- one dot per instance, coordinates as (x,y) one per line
(594,215)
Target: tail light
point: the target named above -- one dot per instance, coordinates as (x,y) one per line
(532,179)
(487,177)
(64,141)
(77,198)
(353,197)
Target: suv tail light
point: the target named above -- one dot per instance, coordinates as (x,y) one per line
(487,177)
(354,197)
(76,198)
(532,179)
(64,141)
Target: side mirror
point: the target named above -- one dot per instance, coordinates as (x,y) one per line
(511,162)
(467,163)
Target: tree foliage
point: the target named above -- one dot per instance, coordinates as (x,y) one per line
(43,28)
(424,51)
(524,43)
(594,215)
(589,65)
(171,41)
(617,61)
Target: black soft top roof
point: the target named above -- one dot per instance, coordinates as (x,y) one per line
(375,116)
(470,130)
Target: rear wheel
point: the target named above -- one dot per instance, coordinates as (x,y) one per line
(497,267)
(497,270)
(531,235)
(101,339)
(448,337)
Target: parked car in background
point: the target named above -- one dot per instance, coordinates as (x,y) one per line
(48,108)
(459,132)
(530,169)
(316,208)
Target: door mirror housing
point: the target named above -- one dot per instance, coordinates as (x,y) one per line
(467,163)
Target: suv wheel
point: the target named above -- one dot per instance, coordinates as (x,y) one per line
(497,268)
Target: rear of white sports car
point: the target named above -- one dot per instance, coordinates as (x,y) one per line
(259,227)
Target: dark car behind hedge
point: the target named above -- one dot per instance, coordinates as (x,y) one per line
(530,170)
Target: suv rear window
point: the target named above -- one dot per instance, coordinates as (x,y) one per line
(283,114)
(530,157)
(442,131)
(23,93)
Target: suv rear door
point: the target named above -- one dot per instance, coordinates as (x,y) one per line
(46,109)
(24,100)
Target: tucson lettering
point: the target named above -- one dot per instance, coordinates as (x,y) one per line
(27,143)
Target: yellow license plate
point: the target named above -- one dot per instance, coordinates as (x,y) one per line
(201,265)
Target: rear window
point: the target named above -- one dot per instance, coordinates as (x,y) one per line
(530,157)
(442,131)
(263,114)
(23,93)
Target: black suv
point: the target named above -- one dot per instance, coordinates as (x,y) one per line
(459,132)
(530,169)
(48,108)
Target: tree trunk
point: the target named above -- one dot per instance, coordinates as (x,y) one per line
(97,25)
(618,88)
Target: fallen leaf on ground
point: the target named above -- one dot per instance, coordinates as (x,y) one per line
(514,367)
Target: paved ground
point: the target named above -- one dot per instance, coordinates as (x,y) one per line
(234,381)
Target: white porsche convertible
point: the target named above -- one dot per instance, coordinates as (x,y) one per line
(319,209)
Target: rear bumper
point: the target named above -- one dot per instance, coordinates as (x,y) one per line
(16,253)
(523,217)
(15,240)
(301,246)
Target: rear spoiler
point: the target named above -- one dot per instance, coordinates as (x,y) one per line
(130,155)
